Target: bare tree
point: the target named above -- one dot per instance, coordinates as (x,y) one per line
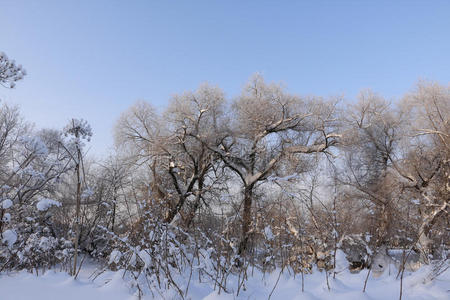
(397,159)
(168,145)
(426,169)
(371,146)
(269,125)
(114,175)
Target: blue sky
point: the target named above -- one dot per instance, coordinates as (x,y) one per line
(93,59)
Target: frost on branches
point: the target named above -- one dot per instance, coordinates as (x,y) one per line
(210,192)
(78,128)
(33,166)
(10,72)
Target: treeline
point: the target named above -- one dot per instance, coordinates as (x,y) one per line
(268,179)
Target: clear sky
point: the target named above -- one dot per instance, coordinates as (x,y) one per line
(93,59)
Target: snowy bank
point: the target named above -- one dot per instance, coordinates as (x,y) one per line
(110,285)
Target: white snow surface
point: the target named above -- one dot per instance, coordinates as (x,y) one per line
(6,204)
(59,285)
(115,256)
(45,204)
(268,233)
(6,217)
(9,237)
(110,285)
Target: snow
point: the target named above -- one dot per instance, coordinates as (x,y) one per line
(346,286)
(341,261)
(7,217)
(78,128)
(87,193)
(58,285)
(45,243)
(111,285)
(35,145)
(115,256)
(268,233)
(45,204)
(6,204)
(9,237)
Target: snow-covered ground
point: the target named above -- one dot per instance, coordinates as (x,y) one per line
(110,285)
(59,285)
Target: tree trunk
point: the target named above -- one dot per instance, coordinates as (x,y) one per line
(77,221)
(383,225)
(113,221)
(424,242)
(246,218)
(173,211)
(198,198)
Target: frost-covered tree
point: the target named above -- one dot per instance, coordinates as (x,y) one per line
(10,72)
(396,165)
(36,163)
(370,154)
(180,163)
(268,126)
(114,175)
(78,130)
(425,169)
